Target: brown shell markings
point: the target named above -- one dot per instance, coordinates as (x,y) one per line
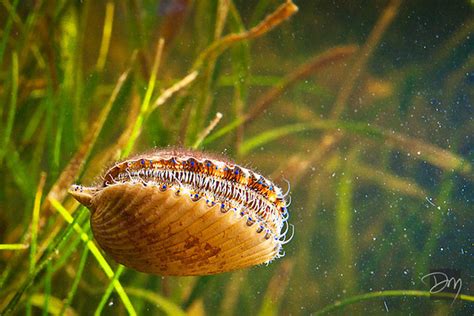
(184,213)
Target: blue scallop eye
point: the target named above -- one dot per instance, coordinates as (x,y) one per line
(236,172)
(142,161)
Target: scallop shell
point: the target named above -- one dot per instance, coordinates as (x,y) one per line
(184,213)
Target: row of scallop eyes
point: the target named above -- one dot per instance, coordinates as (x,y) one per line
(192,163)
(164,186)
(223,207)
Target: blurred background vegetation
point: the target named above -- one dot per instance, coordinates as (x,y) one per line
(365,107)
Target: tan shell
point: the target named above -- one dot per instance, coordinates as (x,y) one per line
(166,232)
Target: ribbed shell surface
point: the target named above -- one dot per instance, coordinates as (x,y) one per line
(165,233)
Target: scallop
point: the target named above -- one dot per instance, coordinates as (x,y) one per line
(180,212)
